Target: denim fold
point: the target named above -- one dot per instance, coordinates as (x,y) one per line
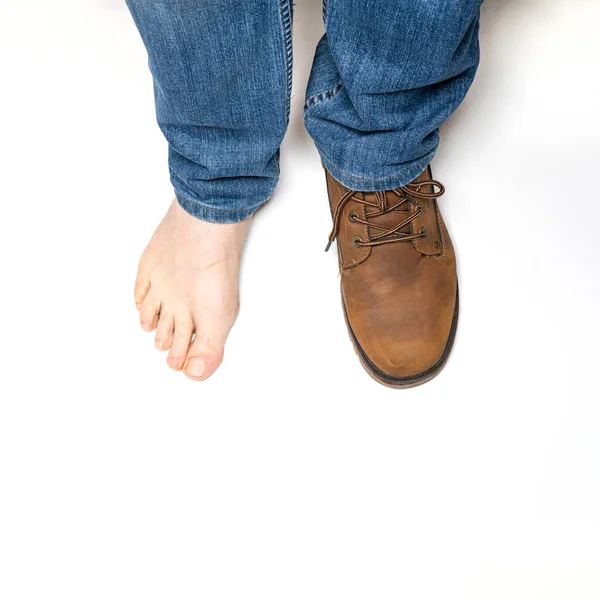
(400,68)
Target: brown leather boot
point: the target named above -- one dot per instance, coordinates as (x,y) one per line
(398,278)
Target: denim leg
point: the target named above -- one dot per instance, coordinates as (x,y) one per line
(222,81)
(386,75)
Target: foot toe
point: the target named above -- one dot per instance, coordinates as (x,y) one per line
(180,344)
(142,287)
(163,338)
(203,359)
(149,311)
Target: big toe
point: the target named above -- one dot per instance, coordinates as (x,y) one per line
(202,360)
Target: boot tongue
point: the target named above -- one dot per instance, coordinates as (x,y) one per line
(390,219)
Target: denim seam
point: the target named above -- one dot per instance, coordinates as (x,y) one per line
(323,96)
(215,215)
(286,22)
(425,160)
(221,210)
(233,211)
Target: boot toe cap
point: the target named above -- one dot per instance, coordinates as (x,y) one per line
(409,347)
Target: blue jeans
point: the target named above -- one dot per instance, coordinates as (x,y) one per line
(385,75)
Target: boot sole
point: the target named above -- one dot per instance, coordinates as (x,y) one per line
(412,380)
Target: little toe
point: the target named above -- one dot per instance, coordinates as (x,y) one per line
(180,344)
(149,311)
(142,287)
(163,338)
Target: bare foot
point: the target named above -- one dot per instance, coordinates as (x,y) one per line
(187,285)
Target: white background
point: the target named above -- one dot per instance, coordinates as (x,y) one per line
(290,474)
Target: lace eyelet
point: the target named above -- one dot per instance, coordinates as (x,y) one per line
(352,216)
(436,244)
(420,209)
(423,233)
(355,241)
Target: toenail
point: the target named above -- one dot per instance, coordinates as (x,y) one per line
(173,362)
(159,344)
(195,367)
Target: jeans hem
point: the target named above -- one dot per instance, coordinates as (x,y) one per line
(364,184)
(212,214)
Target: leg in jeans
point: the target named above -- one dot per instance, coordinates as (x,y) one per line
(386,75)
(222,80)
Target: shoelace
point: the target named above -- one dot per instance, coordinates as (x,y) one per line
(410,193)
